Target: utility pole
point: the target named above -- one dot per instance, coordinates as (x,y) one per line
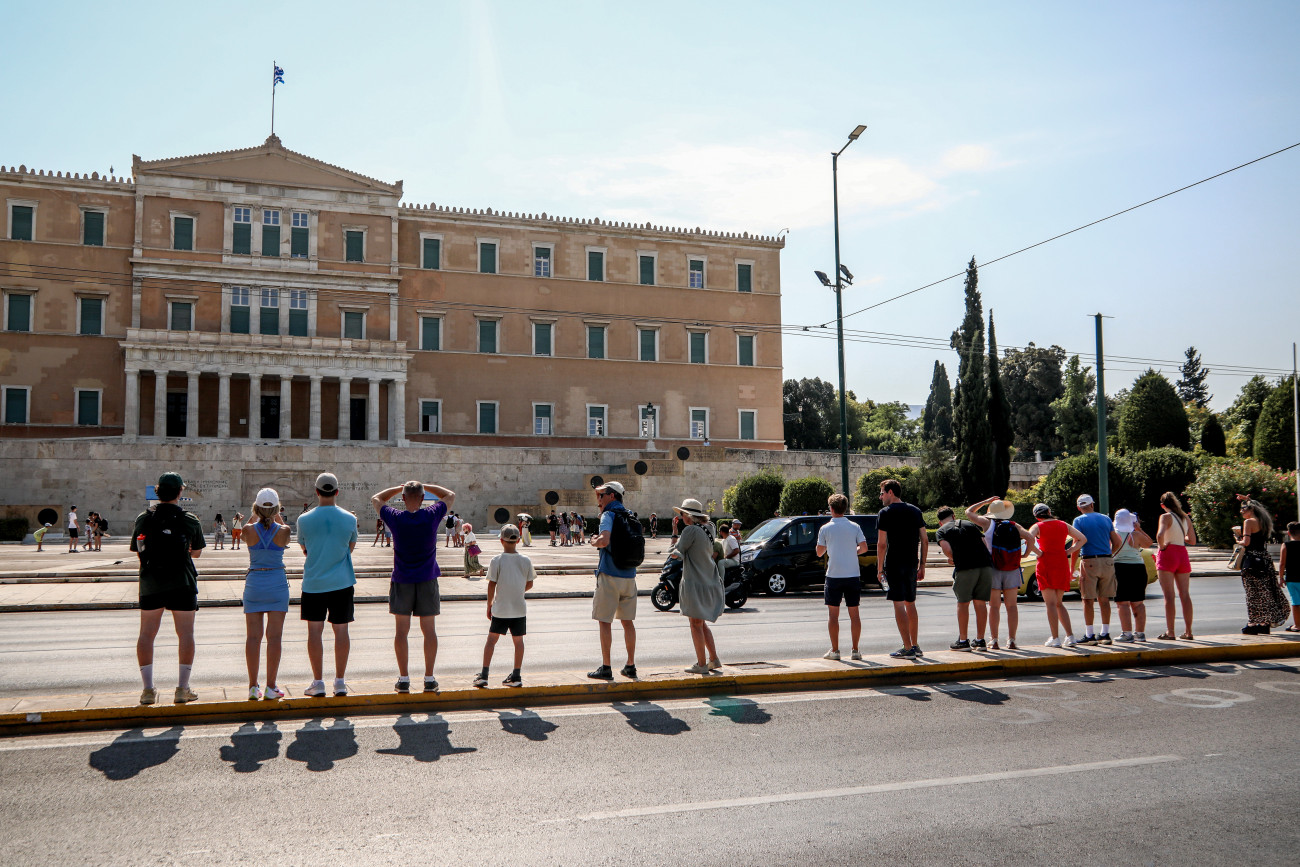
(1295,403)
(1103,483)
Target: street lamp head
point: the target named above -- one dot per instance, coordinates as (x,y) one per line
(821,275)
(848,275)
(857,131)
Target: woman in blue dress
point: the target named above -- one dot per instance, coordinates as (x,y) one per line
(266,590)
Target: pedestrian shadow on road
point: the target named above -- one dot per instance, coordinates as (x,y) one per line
(424,741)
(250,746)
(973,692)
(526,723)
(739,710)
(131,752)
(912,692)
(320,747)
(650,718)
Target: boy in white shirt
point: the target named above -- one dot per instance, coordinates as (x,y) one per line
(509,575)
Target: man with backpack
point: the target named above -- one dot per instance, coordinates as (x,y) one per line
(972,576)
(167,540)
(622,549)
(1003,537)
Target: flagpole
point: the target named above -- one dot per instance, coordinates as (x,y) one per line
(273,68)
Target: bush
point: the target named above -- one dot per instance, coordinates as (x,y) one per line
(866,500)
(755,496)
(13,529)
(938,481)
(1152,472)
(1213,440)
(1078,475)
(1153,416)
(1275,430)
(1215,508)
(806,496)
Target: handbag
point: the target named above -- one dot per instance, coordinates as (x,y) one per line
(1238,554)
(474,550)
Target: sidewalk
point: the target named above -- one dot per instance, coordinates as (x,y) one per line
(224,703)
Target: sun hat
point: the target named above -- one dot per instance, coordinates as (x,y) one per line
(692,508)
(1002,509)
(267,498)
(1042,510)
(1125,521)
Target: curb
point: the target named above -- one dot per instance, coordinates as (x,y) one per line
(669,686)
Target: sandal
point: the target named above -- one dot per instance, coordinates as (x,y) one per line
(1187,636)
(1166,636)
(1293,629)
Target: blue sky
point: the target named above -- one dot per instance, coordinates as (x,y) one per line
(991,126)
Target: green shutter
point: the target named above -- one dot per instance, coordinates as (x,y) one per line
(183,233)
(88,407)
(268,321)
(647,270)
(487,418)
(355,246)
(647,344)
(746,350)
(239,319)
(270,240)
(20,223)
(747,426)
(429,416)
(242,241)
(20,313)
(542,338)
(298,242)
(744,278)
(92,316)
(92,229)
(487,335)
(298,323)
(181,319)
(432,254)
(595,341)
(487,258)
(354,325)
(595,265)
(430,333)
(698,344)
(15,406)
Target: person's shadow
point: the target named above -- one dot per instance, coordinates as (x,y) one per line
(424,741)
(649,718)
(249,747)
(321,747)
(739,710)
(131,752)
(526,723)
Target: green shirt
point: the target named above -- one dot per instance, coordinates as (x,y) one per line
(153,581)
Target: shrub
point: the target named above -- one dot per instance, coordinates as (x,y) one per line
(866,499)
(754,497)
(1152,472)
(1215,508)
(1213,440)
(805,496)
(1153,416)
(13,529)
(1275,430)
(1078,475)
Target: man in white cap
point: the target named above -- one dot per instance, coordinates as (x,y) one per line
(615,596)
(327,535)
(1097,575)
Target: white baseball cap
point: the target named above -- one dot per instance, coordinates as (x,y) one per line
(1084,500)
(267,498)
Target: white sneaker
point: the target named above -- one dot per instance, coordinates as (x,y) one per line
(316,690)
(1126,636)
(831,654)
(1052,642)
(273,693)
(340,688)
(855,655)
(1070,642)
(254,693)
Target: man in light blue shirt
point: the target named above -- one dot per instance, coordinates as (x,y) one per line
(615,596)
(1097,573)
(327,535)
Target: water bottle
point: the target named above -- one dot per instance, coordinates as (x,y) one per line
(139,543)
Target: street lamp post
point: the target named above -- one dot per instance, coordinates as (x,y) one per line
(648,425)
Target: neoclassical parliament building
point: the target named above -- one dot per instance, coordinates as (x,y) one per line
(264,295)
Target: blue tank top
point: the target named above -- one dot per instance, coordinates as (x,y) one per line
(264,555)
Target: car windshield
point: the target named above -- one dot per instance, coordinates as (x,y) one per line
(766,530)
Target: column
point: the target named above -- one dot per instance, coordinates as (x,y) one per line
(160,403)
(131,408)
(286,407)
(223,406)
(313,432)
(254,405)
(192,405)
(372,410)
(345,408)
(397,412)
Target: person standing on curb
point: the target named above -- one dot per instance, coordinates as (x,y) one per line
(1003,537)
(1265,605)
(841,542)
(1131,577)
(327,535)
(902,531)
(413,590)
(1174,532)
(266,592)
(510,575)
(1052,571)
(1097,575)
(972,576)
(615,596)
(167,540)
(1290,568)
(701,587)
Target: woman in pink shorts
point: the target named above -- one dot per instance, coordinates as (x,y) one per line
(1174,533)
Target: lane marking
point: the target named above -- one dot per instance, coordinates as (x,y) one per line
(871,790)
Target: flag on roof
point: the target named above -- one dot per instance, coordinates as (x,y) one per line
(277,77)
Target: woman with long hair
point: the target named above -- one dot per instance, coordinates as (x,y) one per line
(1174,532)
(701,588)
(1049,536)
(1265,605)
(266,591)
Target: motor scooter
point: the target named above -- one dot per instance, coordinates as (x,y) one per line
(666,593)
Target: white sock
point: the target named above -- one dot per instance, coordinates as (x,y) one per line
(184,681)
(1090,632)
(403,678)
(338,682)
(146,674)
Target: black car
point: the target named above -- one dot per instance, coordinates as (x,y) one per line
(780,555)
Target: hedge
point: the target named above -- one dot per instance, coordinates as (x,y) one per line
(866,499)
(755,496)
(805,496)
(1214,505)
(13,529)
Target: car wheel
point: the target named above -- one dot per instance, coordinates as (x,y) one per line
(777,585)
(1032,593)
(663,598)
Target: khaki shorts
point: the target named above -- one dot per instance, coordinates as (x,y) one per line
(1097,578)
(972,584)
(615,599)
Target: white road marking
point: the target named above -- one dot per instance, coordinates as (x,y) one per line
(908,785)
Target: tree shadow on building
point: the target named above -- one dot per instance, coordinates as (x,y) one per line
(526,723)
(649,718)
(131,752)
(250,746)
(320,747)
(425,741)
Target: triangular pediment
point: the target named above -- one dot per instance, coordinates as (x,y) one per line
(268,163)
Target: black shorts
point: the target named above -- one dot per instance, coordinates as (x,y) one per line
(419,599)
(336,606)
(1131,582)
(180,599)
(72,532)
(901,588)
(513,625)
(846,590)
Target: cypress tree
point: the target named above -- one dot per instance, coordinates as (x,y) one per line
(1213,440)
(936,421)
(999,419)
(971,428)
(1153,416)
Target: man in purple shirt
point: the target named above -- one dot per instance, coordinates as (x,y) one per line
(414,587)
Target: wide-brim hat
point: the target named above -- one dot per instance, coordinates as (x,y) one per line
(1125,521)
(1002,510)
(692,508)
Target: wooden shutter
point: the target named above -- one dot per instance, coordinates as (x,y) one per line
(92,229)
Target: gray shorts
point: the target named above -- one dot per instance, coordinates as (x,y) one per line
(1007,579)
(420,600)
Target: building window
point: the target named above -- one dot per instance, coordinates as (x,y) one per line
(430,416)
(18,312)
(182,233)
(21,220)
(596,420)
(595,341)
(17,399)
(649,421)
(487,416)
(431,333)
(354,243)
(180,316)
(299,235)
(745,350)
(699,424)
(90,316)
(649,343)
(268,321)
(92,228)
(542,419)
(699,347)
(647,263)
(354,325)
(241,239)
(541,261)
(240,314)
(487,335)
(297,312)
(596,265)
(542,332)
(744,277)
(487,257)
(695,271)
(748,422)
(431,257)
(87,406)
(270,233)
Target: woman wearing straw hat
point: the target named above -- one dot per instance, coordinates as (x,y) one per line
(266,591)
(701,592)
(1002,536)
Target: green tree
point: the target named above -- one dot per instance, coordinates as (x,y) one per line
(867,500)
(1275,430)
(1032,380)
(1241,417)
(936,420)
(806,496)
(1213,441)
(1191,386)
(999,420)
(1215,508)
(937,481)
(1076,419)
(754,497)
(1153,416)
(809,406)
(887,428)
(972,432)
(1150,473)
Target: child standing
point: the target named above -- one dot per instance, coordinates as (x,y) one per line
(509,575)
(219,533)
(1289,575)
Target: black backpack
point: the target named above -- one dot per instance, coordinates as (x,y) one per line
(1006,546)
(626,541)
(166,542)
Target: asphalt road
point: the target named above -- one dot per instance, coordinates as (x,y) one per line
(1170,765)
(78,652)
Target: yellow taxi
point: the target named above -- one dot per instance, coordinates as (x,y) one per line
(1029,586)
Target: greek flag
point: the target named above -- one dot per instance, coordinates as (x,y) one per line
(277,77)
